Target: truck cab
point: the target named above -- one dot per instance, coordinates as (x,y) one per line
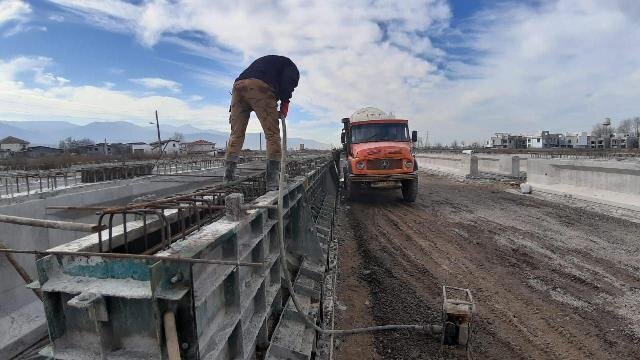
(378,154)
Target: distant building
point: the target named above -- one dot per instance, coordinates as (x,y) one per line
(166,146)
(102,149)
(41,151)
(543,140)
(625,141)
(600,142)
(198,147)
(574,140)
(140,148)
(13,144)
(506,141)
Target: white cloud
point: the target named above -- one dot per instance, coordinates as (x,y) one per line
(11,10)
(561,64)
(56,17)
(158,83)
(16,14)
(56,99)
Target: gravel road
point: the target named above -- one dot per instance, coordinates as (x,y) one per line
(550,281)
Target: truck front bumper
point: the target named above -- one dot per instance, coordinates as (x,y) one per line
(378,178)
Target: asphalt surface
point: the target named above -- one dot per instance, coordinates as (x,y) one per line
(550,281)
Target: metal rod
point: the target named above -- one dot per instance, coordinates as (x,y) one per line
(91,208)
(20,270)
(135,257)
(51,224)
(195,175)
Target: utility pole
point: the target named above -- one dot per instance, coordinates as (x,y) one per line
(260,141)
(158,128)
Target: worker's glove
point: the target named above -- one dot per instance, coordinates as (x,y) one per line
(284,108)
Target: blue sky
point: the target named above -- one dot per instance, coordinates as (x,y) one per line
(457,69)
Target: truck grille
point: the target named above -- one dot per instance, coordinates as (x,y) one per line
(384,164)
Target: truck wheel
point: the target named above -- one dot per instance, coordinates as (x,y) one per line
(350,191)
(410,190)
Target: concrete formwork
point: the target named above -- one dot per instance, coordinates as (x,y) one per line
(613,182)
(99,307)
(21,314)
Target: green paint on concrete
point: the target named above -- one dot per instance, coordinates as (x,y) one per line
(111,269)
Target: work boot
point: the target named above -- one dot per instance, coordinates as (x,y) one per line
(230,170)
(273,172)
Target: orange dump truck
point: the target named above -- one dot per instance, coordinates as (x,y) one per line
(378,152)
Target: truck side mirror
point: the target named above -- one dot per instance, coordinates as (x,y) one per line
(343,138)
(414,136)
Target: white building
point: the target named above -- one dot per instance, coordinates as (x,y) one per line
(543,140)
(574,140)
(624,141)
(168,147)
(140,148)
(13,144)
(506,141)
(198,147)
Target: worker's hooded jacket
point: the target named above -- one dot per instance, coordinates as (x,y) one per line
(279,72)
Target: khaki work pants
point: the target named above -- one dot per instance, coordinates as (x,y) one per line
(253,95)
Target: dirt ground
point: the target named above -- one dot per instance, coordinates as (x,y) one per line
(550,281)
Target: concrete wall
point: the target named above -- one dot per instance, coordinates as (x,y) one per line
(457,164)
(499,164)
(612,182)
(472,165)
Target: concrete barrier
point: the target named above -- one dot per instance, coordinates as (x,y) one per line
(499,164)
(457,164)
(611,182)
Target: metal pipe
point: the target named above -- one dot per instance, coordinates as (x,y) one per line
(51,224)
(134,257)
(20,270)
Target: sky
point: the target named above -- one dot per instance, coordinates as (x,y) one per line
(459,69)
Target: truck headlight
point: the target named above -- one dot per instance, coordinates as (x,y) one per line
(360,165)
(408,164)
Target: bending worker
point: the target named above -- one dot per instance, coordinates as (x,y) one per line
(259,87)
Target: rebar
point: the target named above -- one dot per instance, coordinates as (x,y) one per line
(134,257)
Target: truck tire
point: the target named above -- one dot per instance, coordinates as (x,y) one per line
(350,192)
(410,190)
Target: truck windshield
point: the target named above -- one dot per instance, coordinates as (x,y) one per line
(379,132)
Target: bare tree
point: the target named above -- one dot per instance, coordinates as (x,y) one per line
(600,130)
(178,137)
(630,126)
(70,143)
(624,127)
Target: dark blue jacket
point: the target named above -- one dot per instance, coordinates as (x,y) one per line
(277,71)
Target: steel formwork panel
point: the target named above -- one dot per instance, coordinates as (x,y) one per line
(222,311)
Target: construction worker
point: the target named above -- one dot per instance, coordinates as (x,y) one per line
(259,87)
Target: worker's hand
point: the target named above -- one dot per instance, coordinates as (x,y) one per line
(284,109)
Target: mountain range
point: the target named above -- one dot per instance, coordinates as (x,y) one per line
(49,133)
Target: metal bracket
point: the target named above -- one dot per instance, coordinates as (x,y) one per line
(94,303)
(457,316)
